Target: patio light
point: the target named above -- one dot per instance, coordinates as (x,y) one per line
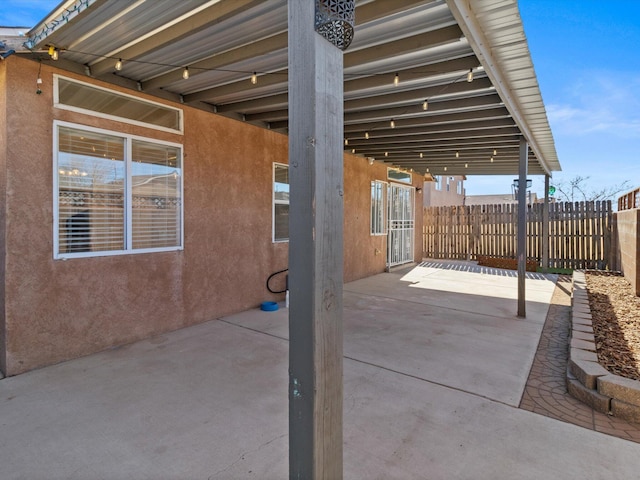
(185,73)
(53,52)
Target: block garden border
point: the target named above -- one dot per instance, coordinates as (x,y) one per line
(587,380)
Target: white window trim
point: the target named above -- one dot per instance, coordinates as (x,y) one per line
(62,106)
(275,202)
(385,206)
(127,200)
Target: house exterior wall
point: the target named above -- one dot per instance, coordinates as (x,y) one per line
(3,183)
(627,228)
(61,309)
(444,197)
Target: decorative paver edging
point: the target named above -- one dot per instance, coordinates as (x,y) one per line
(587,380)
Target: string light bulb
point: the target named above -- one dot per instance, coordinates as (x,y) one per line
(396,80)
(491,159)
(425,105)
(346,142)
(457,154)
(466,165)
(185,73)
(118,65)
(386,154)
(445,169)
(353,150)
(392,123)
(470,75)
(366,135)
(421,155)
(495,152)
(254,78)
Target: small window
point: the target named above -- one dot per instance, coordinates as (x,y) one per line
(459,187)
(378,208)
(85,98)
(448,184)
(280,202)
(115,193)
(438,181)
(398,176)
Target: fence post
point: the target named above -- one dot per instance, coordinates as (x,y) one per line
(545,226)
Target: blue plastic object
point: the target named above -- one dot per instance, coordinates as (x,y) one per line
(269,306)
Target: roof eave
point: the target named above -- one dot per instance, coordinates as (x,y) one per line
(473,29)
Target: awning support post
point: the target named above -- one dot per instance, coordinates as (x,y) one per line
(521,231)
(315,248)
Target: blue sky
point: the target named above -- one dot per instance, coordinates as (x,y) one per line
(587,63)
(588,67)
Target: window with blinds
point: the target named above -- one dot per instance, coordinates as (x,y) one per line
(115,193)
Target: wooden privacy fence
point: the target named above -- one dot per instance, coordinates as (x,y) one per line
(579,233)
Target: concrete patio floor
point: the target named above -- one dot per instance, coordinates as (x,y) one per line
(436,363)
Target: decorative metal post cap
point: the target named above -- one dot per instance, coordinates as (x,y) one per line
(335,20)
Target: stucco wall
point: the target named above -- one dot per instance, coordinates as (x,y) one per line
(442,197)
(3,180)
(627,225)
(57,310)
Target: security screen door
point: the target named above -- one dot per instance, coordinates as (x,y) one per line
(401,225)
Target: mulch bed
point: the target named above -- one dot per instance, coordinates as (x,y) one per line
(616,323)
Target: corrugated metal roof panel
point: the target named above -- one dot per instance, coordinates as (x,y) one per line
(431,44)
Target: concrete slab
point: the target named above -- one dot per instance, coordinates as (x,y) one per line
(210,402)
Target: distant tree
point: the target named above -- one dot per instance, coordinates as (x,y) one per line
(578,189)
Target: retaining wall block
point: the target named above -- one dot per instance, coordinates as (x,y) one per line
(583,344)
(625,410)
(579,327)
(583,336)
(623,389)
(586,372)
(584,355)
(587,396)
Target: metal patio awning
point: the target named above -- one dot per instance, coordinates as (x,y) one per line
(430,46)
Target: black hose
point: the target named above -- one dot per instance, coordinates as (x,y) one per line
(286,282)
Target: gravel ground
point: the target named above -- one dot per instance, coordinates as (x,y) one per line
(616,323)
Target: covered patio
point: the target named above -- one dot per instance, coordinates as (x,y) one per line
(427,87)
(435,363)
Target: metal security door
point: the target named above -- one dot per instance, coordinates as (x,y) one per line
(401,225)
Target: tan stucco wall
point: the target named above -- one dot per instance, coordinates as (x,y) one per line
(627,225)
(57,310)
(442,198)
(3,180)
